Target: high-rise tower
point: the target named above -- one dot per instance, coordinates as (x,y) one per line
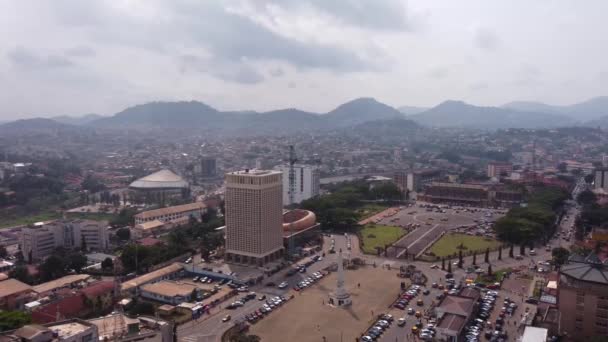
(254,216)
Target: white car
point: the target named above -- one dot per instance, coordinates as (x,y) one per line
(283,285)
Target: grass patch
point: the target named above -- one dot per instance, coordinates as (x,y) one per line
(369,209)
(448,245)
(373,236)
(18,220)
(92,216)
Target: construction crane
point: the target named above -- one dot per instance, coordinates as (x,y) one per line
(292,190)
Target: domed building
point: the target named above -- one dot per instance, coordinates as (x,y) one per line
(302,224)
(159,186)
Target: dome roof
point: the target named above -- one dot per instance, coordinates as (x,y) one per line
(163,179)
(299,220)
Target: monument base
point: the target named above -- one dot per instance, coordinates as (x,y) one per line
(340,301)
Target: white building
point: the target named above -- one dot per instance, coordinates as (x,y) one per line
(306,182)
(601,179)
(40,240)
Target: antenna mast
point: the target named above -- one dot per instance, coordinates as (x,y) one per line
(292,190)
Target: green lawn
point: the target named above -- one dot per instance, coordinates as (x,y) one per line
(448,245)
(369,209)
(18,220)
(92,216)
(379,236)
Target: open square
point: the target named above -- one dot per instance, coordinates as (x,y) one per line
(374,235)
(308,317)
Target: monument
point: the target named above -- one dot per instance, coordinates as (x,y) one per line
(340,297)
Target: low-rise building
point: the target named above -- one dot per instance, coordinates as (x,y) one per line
(169,292)
(14,294)
(119,327)
(69,281)
(169,272)
(454,312)
(498,169)
(74,330)
(195,210)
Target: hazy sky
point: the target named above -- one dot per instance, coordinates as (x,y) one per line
(74,57)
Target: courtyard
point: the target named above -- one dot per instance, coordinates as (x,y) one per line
(308,317)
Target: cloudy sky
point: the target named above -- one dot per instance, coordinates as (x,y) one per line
(73,57)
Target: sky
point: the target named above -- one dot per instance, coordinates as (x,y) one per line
(72,57)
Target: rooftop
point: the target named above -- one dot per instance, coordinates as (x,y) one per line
(113,325)
(69,329)
(171,210)
(160,179)
(457,305)
(61,282)
(150,225)
(169,288)
(452,322)
(586,268)
(148,277)
(255,172)
(12,286)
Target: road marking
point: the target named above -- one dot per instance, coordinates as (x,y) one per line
(416,241)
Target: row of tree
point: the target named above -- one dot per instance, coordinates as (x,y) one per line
(337,210)
(536,221)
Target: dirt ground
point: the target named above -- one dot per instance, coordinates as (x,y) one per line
(308,317)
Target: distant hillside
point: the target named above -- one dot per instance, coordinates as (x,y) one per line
(359,111)
(38,126)
(77,120)
(199,116)
(461,114)
(411,110)
(591,109)
(599,122)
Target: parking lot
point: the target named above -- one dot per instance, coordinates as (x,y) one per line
(430,221)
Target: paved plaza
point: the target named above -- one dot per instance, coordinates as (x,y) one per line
(308,317)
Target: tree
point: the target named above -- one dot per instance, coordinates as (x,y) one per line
(560,256)
(562,167)
(475,258)
(522,249)
(76,261)
(3,252)
(107,264)
(125,218)
(443,264)
(21,273)
(123,233)
(489,270)
(450,266)
(487,256)
(500,253)
(142,308)
(589,178)
(511,251)
(52,268)
(586,197)
(194,294)
(460,258)
(11,320)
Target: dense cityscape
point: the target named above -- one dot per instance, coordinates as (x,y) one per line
(177,221)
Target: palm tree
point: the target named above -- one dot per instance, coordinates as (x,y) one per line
(487,257)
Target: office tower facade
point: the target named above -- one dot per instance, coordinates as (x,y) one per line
(497,169)
(39,240)
(208,167)
(307,182)
(254,216)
